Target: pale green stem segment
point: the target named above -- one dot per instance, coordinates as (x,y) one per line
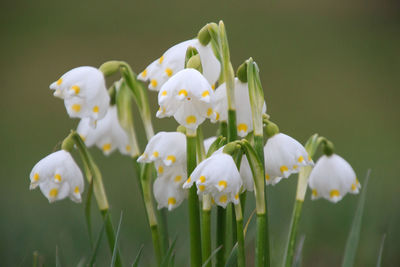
(240,236)
(311,146)
(93,173)
(193,202)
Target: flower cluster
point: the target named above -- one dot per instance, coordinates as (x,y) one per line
(168,152)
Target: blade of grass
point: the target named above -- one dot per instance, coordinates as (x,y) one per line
(232,259)
(299,252)
(81,263)
(87,212)
(35,259)
(248,222)
(58,261)
(96,247)
(354,235)
(379,262)
(211,256)
(137,259)
(167,258)
(115,252)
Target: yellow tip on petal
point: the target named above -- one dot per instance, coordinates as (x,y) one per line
(57,177)
(155,154)
(36,177)
(188,180)
(76,107)
(295,167)
(209,112)
(309,158)
(153,83)
(353,187)
(106,147)
(76,89)
(191,119)
(171,201)
(334,193)
(202,179)
(242,127)
(314,192)
(128,148)
(183,92)
(178,178)
(169,72)
(160,169)
(205,93)
(76,190)
(284,169)
(59,81)
(96,109)
(53,192)
(267,177)
(201,188)
(300,159)
(164,93)
(217,116)
(223,199)
(172,158)
(237,196)
(161,59)
(213,86)
(223,184)
(144,73)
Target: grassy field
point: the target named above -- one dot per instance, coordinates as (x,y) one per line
(330,68)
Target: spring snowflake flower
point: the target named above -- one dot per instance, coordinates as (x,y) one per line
(84,92)
(188,97)
(173,61)
(219,177)
(108,134)
(332,178)
(283,156)
(58,177)
(244,117)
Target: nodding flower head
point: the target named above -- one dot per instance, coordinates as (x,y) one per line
(283,156)
(108,134)
(332,178)
(58,177)
(84,92)
(244,119)
(167,148)
(173,61)
(219,177)
(188,97)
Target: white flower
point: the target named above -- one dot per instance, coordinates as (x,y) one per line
(332,178)
(283,156)
(167,188)
(108,134)
(167,148)
(84,92)
(188,97)
(219,177)
(244,119)
(58,177)
(173,61)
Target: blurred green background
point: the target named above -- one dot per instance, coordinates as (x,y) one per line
(330,67)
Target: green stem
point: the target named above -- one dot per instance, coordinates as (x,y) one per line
(260,240)
(206,229)
(110,234)
(193,202)
(229,238)
(221,231)
(163,229)
(293,233)
(240,236)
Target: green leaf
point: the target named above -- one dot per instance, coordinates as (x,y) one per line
(115,252)
(87,212)
(96,247)
(212,256)
(248,222)
(232,259)
(167,258)
(379,262)
(354,235)
(81,263)
(137,259)
(299,252)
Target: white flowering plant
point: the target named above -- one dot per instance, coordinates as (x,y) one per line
(195,81)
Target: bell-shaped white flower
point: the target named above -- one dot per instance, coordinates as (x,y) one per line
(283,156)
(108,134)
(84,92)
(244,118)
(167,148)
(58,177)
(219,177)
(188,97)
(167,188)
(332,178)
(173,61)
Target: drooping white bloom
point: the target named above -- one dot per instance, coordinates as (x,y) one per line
(58,177)
(168,148)
(244,118)
(173,61)
(332,178)
(219,177)
(283,156)
(167,188)
(108,134)
(84,92)
(188,97)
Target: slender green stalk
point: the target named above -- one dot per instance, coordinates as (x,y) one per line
(193,201)
(293,233)
(110,234)
(221,232)
(230,240)
(206,230)
(240,236)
